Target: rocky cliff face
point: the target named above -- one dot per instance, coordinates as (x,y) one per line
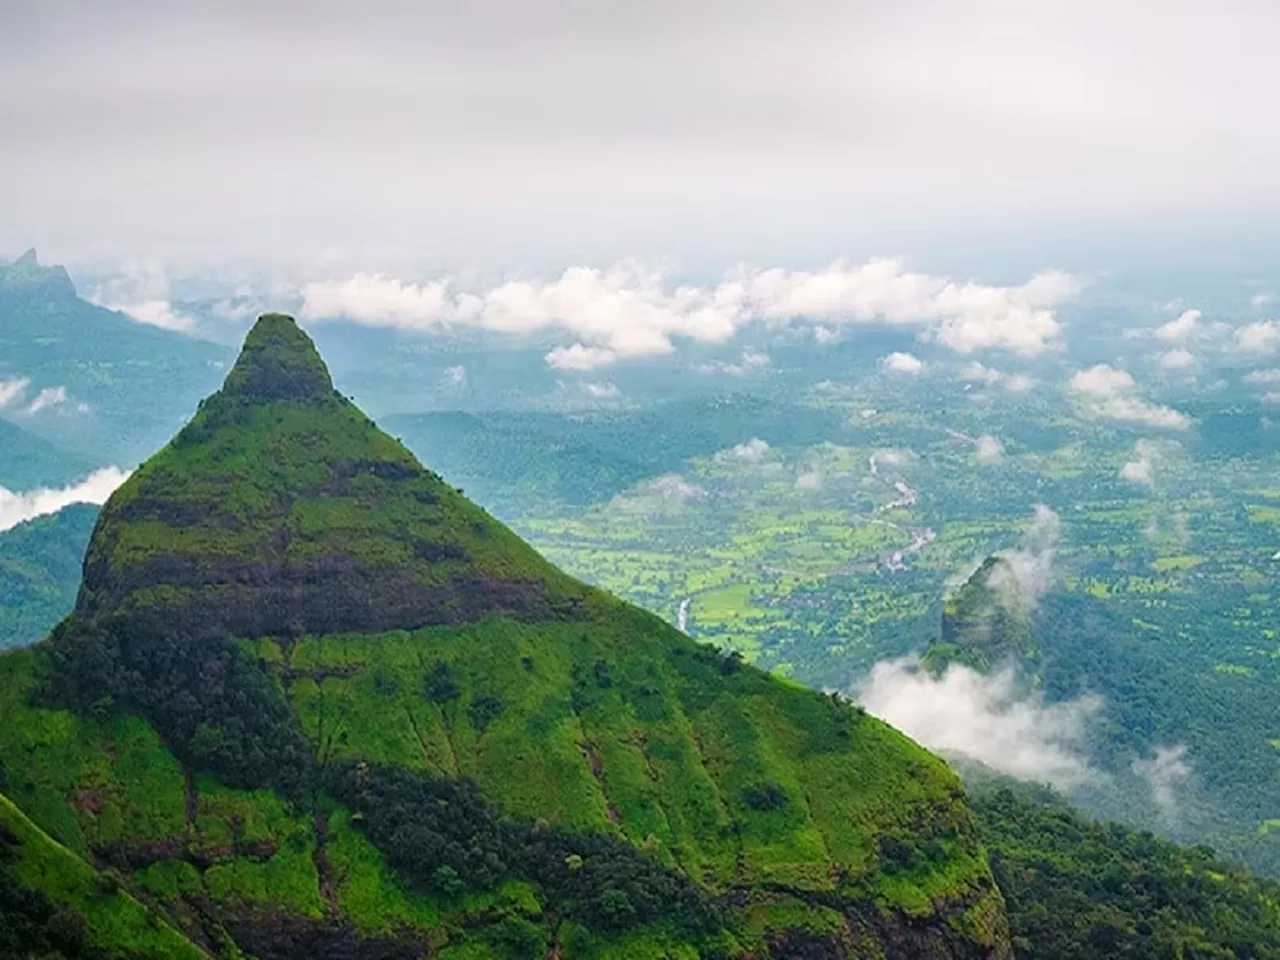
(313,702)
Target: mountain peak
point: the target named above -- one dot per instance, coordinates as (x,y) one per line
(278,362)
(282,509)
(27,274)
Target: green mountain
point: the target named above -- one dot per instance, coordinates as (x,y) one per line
(129,385)
(313,702)
(985,623)
(40,564)
(30,461)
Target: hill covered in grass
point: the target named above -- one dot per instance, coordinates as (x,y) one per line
(313,702)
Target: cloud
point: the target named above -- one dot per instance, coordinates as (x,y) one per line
(601,390)
(899,362)
(1165,772)
(142,293)
(990,450)
(1102,380)
(980,373)
(660,495)
(11,391)
(46,398)
(1138,471)
(1134,410)
(753,451)
(1112,389)
(1262,336)
(580,357)
(1018,383)
(750,362)
(16,508)
(1177,359)
(1031,565)
(1179,330)
(629,311)
(1262,376)
(988,718)
(456,376)
(810,480)
(1262,299)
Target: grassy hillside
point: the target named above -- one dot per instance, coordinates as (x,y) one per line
(314,702)
(53,904)
(39,572)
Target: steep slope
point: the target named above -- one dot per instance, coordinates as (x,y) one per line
(53,904)
(314,702)
(40,564)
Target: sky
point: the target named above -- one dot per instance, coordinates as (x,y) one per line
(510,135)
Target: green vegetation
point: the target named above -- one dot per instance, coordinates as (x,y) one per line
(1079,889)
(53,904)
(313,702)
(39,572)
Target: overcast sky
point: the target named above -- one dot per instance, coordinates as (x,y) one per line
(531,133)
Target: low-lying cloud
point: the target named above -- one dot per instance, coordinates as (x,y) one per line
(1181,329)
(628,311)
(900,362)
(660,495)
(19,507)
(1165,772)
(1112,394)
(988,718)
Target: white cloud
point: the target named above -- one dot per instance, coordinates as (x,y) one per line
(1177,359)
(1102,380)
(1112,390)
(1031,565)
(580,357)
(141,292)
(16,507)
(980,373)
(629,311)
(1138,470)
(456,376)
(1018,383)
(1179,330)
(899,362)
(11,391)
(1261,336)
(1139,412)
(810,480)
(1165,772)
(1263,376)
(46,398)
(1261,300)
(753,451)
(602,390)
(990,450)
(664,494)
(985,717)
(751,361)
(1271,398)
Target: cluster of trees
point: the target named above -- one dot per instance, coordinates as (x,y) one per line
(212,702)
(443,834)
(1079,889)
